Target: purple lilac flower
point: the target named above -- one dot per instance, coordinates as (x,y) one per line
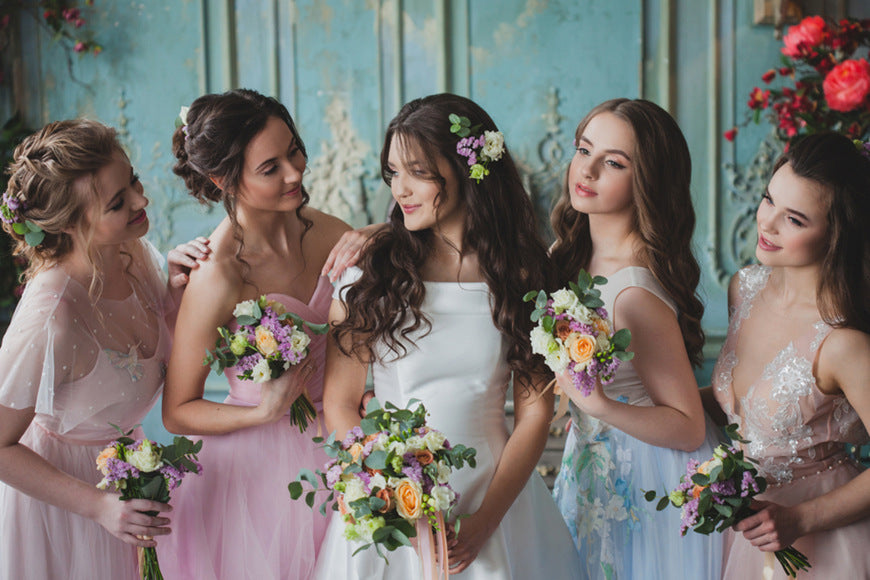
(172,475)
(352,436)
(748,486)
(366,479)
(119,470)
(689,515)
(247,363)
(412,468)
(722,490)
(333,474)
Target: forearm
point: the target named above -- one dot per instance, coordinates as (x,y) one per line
(341,417)
(837,508)
(29,473)
(204,417)
(657,425)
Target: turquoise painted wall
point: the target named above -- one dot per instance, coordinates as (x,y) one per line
(344,67)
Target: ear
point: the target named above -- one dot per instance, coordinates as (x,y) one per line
(218,181)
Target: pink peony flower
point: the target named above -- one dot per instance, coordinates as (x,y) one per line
(80,47)
(847,85)
(807,34)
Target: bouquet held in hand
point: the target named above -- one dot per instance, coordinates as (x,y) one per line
(390,480)
(574,333)
(267,342)
(716,494)
(143,469)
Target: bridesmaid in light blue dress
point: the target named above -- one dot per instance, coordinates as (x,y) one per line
(626,214)
(437,309)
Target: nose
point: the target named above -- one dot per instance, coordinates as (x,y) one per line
(293,172)
(588,168)
(765,217)
(139,200)
(399,187)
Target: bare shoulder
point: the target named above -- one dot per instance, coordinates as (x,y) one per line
(638,306)
(328,227)
(216,283)
(844,361)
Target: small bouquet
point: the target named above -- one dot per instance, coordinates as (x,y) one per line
(574,333)
(143,469)
(267,342)
(390,480)
(716,494)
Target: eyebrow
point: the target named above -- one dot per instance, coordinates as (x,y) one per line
(788,209)
(617,151)
(273,159)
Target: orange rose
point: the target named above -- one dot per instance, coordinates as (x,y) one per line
(425,457)
(387,496)
(562,329)
(581,347)
(696,491)
(266,343)
(103,458)
(370,438)
(601,325)
(342,509)
(847,85)
(355,451)
(409,500)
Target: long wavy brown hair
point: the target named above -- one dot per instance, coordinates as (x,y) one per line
(383,307)
(212,145)
(664,218)
(833,161)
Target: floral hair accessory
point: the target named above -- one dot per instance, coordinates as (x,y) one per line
(181,121)
(863,147)
(10,212)
(479,149)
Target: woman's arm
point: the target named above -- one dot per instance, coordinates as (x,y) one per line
(347,250)
(344,381)
(844,365)
(676,420)
(182,259)
(711,406)
(29,473)
(207,303)
(532,414)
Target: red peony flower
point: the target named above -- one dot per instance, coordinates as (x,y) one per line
(847,85)
(804,37)
(768,76)
(730,134)
(758,99)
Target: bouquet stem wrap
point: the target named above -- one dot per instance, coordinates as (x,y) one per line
(432,548)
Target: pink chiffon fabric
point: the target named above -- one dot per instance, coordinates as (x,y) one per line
(81,366)
(237,521)
(798,434)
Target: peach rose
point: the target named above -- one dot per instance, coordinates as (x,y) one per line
(266,343)
(581,347)
(601,325)
(276,307)
(847,85)
(355,451)
(386,494)
(696,491)
(342,509)
(562,329)
(424,456)
(409,500)
(807,34)
(103,458)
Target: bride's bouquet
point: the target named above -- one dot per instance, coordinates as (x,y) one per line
(574,333)
(390,480)
(267,342)
(143,469)
(718,493)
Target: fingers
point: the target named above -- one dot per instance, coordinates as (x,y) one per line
(147,505)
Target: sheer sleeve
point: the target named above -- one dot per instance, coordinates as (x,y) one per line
(149,267)
(45,345)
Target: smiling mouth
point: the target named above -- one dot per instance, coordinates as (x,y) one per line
(140,217)
(583,191)
(764,244)
(294,191)
(410,208)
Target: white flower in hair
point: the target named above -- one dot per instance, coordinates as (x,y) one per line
(494,146)
(183,115)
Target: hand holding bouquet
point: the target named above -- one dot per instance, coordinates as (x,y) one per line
(268,341)
(716,494)
(144,469)
(390,479)
(574,333)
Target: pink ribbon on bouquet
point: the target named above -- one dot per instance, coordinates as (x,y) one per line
(432,548)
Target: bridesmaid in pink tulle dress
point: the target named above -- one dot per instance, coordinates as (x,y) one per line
(87,347)
(238,521)
(794,370)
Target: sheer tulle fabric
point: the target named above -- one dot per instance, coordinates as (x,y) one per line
(798,435)
(605,471)
(81,366)
(237,520)
(459,371)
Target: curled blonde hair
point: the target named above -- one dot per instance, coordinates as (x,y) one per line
(48,173)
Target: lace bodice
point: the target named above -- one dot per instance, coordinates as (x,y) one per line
(793,428)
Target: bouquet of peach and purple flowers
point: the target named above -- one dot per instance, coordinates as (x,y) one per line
(143,469)
(718,493)
(268,341)
(390,479)
(574,333)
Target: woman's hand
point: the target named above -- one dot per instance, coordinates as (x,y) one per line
(774,527)
(277,395)
(347,251)
(593,405)
(463,548)
(184,258)
(127,520)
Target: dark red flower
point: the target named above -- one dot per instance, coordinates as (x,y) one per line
(730,134)
(768,76)
(758,99)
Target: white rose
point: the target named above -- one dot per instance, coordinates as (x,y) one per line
(261,371)
(394,482)
(397,447)
(443,496)
(443,472)
(557,361)
(299,340)
(493,148)
(413,444)
(580,313)
(564,300)
(146,458)
(353,491)
(434,440)
(602,342)
(245,308)
(377,480)
(542,341)
(182,115)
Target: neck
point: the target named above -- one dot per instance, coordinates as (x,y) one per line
(793,286)
(614,242)
(274,230)
(110,267)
